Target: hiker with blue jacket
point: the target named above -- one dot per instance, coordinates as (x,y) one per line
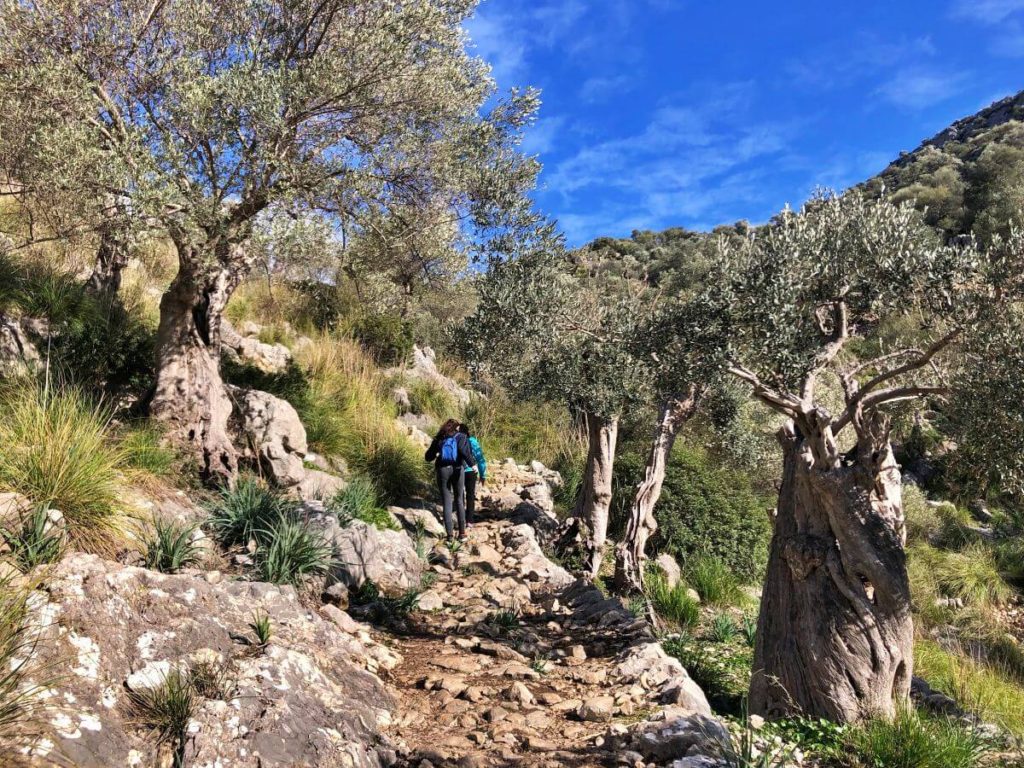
(451,453)
(472,473)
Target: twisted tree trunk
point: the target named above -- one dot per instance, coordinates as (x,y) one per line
(835,634)
(111,258)
(629,555)
(189,393)
(596,495)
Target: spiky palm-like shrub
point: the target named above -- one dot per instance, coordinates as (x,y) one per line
(290,551)
(247,511)
(170,547)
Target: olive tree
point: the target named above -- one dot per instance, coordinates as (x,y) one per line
(209,115)
(835,637)
(684,346)
(547,331)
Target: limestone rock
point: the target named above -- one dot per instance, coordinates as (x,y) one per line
(307,699)
(668,568)
(598,709)
(18,355)
(271,358)
(366,553)
(273,434)
(317,484)
(418,519)
(655,670)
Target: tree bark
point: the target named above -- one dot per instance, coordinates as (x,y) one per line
(835,636)
(629,554)
(189,393)
(111,258)
(596,495)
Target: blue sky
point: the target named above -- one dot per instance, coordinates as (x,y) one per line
(694,113)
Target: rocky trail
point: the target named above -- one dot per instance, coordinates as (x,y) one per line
(509,661)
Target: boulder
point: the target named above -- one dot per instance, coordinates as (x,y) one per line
(308,698)
(272,433)
(18,355)
(597,709)
(697,737)
(424,366)
(365,553)
(418,519)
(531,562)
(317,484)
(649,666)
(667,567)
(270,358)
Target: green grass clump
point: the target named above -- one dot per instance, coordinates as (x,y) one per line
(723,629)
(972,575)
(262,628)
(145,451)
(213,680)
(987,689)
(914,741)
(922,520)
(166,709)
(246,512)
(290,552)
(428,398)
(58,452)
(31,543)
(169,546)
(672,603)
(524,430)
(713,581)
(19,701)
(359,501)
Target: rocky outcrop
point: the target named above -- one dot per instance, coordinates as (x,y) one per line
(307,698)
(424,366)
(246,347)
(272,434)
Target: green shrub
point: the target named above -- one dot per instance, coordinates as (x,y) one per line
(144,450)
(290,551)
(169,546)
(723,629)
(167,709)
(262,628)
(387,337)
(914,741)
(672,603)
(32,544)
(58,452)
(246,512)
(721,670)
(396,466)
(818,738)
(524,430)
(713,581)
(704,510)
(955,527)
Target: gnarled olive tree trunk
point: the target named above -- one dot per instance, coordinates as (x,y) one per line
(835,637)
(189,393)
(629,555)
(111,258)
(596,495)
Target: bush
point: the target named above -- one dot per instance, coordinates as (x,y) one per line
(721,670)
(387,337)
(31,543)
(246,512)
(972,575)
(913,741)
(290,552)
(672,603)
(524,430)
(58,452)
(169,547)
(704,510)
(713,581)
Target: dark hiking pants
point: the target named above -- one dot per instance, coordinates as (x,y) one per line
(452,486)
(470,480)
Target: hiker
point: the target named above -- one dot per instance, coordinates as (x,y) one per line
(472,473)
(450,453)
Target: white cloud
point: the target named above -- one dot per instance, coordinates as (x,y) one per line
(918,89)
(541,137)
(986,11)
(841,63)
(691,162)
(596,89)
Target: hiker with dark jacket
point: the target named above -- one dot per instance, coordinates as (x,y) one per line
(451,453)
(473,473)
